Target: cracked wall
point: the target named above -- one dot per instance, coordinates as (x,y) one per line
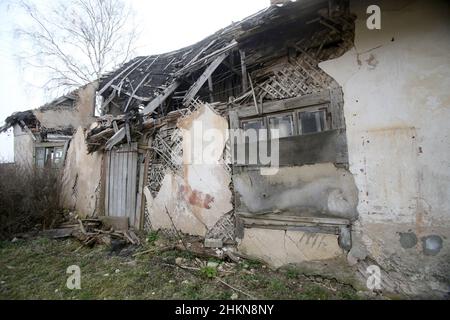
(81,177)
(317,190)
(396,104)
(23,148)
(196,199)
(80,114)
(280,247)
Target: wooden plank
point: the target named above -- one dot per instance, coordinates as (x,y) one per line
(293,227)
(116,138)
(106,179)
(308,100)
(132,180)
(243,71)
(106,86)
(198,64)
(336,108)
(128,132)
(27,130)
(139,199)
(253,93)
(193,90)
(234,119)
(200,53)
(112,182)
(294,219)
(139,84)
(115,127)
(123,185)
(321,147)
(118,186)
(155,103)
(128,185)
(211,89)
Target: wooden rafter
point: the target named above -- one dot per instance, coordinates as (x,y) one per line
(193,90)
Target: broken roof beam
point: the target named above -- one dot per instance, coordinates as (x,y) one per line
(155,103)
(193,90)
(106,86)
(27,130)
(200,53)
(244,71)
(139,85)
(116,138)
(199,63)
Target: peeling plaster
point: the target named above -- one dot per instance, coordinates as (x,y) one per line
(196,200)
(81,177)
(395,83)
(280,247)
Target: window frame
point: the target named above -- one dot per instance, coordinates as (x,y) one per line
(326,126)
(295,113)
(278,114)
(46,150)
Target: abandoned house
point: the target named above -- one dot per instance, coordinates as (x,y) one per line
(362,176)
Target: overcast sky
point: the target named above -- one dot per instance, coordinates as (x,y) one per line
(166,25)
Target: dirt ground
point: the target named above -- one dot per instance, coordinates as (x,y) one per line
(36,269)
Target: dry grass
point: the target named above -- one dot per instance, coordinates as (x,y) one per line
(36,269)
(29,199)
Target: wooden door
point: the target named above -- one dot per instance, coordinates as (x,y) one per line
(121,183)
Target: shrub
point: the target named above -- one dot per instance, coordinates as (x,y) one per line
(152,237)
(208,272)
(30,198)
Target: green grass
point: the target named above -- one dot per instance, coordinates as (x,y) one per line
(152,237)
(208,272)
(36,269)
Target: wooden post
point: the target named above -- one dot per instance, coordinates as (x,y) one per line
(210,87)
(243,71)
(193,90)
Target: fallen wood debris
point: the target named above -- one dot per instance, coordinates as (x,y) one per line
(89,232)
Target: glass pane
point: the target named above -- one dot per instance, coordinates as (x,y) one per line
(49,156)
(312,121)
(252,124)
(255,124)
(40,156)
(40,163)
(283,123)
(40,152)
(58,155)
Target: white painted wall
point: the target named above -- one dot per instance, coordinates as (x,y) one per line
(397,108)
(396,84)
(81,177)
(23,148)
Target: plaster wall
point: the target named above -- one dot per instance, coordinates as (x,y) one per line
(198,197)
(397,108)
(81,114)
(81,177)
(23,148)
(280,247)
(317,190)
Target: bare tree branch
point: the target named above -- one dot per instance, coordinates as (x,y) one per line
(76,41)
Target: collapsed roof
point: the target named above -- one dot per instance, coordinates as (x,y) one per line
(146,82)
(27,119)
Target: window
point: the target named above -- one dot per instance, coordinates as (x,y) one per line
(284,123)
(254,124)
(40,157)
(296,122)
(49,157)
(57,156)
(310,122)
